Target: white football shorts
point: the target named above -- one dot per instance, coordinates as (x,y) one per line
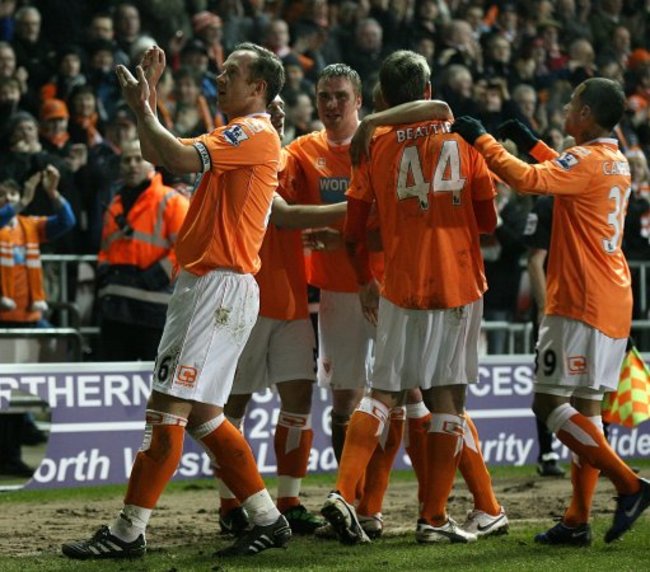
(276,351)
(426,348)
(345,341)
(209,319)
(573,358)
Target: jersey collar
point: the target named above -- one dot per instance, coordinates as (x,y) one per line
(609,141)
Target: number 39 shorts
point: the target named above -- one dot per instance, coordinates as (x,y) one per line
(209,319)
(573,358)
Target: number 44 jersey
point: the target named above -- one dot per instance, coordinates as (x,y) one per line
(587,277)
(424,181)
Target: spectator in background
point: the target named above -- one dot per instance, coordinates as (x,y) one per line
(195,57)
(460,47)
(100,28)
(618,47)
(10,97)
(582,62)
(366,53)
(85,125)
(556,59)
(425,23)
(300,115)
(208,28)
(101,61)
(69,75)
(457,89)
(497,60)
(33,52)
(8,67)
(603,21)
(501,253)
(188,114)
(507,22)
(494,103)
(136,260)
(22,300)
(296,82)
(573,15)
(21,279)
(636,238)
(530,64)
(525,97)
(127,25)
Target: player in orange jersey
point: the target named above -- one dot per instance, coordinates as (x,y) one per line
(434,195)
(215,302)
(584,332)
(280,352)
(318,171)
(487,516)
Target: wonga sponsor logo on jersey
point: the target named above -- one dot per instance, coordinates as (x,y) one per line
(332,189)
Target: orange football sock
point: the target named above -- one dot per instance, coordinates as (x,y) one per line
(157,459)
(584,478)
(232,455)
(444,445)
(366,426)
(293,439)
(415,443)
(476,475)
(381,463)
(578,433)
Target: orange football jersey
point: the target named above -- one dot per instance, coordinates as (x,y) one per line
(587,277)
(318,172)
(424,181)
(229,211)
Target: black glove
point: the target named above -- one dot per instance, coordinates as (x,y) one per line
(468,128)
(518,133)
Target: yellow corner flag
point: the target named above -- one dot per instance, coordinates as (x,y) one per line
(629,405)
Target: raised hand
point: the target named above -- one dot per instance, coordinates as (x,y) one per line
(51,178)
(135,91)
(29,188)
(518,133)
(468,128)
(153,63)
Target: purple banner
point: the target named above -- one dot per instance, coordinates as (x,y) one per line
(98,420)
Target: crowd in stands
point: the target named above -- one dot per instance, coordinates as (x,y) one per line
(60,100)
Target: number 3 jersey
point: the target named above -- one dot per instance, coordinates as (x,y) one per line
(587,277)
(424,181)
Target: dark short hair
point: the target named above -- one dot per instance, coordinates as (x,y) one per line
(404,76)
(342,70)
(605,98)
(267,67)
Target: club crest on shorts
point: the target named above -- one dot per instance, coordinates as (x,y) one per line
(577,365)
(186,375)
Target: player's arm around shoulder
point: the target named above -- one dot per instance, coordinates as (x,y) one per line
(570,173)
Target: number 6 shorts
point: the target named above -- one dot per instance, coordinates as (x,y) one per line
(209,319)
(573,358)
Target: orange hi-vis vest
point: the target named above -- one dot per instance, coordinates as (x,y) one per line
(144,236)
(28,232)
